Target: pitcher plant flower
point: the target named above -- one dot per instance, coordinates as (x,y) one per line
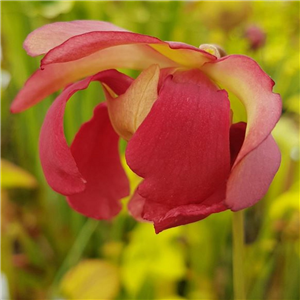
(176,117)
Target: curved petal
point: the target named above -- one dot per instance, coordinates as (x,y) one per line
(86,44)
(43,39)
(95,150)
(59,166)
(244,77)
(136,206)
(164,216)
(88,53)
(251,178)
(58,163)
(56,76)
(129,110)
(182,147)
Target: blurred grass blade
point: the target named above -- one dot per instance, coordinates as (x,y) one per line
(76,251)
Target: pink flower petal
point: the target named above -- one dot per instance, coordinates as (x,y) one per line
(59,166)
(77,56)
(43,39)
(88,43)
(136,206)
(164,216)
(95,150)
(56,76)
(244,77)
(182,147)
(85,44)
(65,170)
(251,177)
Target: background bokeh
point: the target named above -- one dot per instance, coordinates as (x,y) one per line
(51,252)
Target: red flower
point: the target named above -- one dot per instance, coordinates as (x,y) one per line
(175,117)
(255,36)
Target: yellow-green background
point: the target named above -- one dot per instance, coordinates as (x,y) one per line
(51,252)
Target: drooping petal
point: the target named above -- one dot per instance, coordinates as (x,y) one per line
(252,176)
(43,39)
(165,216)
(95,150)
(59,165)
(129,110)
(182,147)
(244,77)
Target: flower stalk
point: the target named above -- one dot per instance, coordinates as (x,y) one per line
(238,255)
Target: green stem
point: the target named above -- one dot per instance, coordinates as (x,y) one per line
(75,252)
(238,255)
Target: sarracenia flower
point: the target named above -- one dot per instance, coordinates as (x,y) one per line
(176,117)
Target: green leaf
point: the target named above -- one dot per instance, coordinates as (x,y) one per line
(13,176)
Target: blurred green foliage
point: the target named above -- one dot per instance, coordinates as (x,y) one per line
(50,251)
